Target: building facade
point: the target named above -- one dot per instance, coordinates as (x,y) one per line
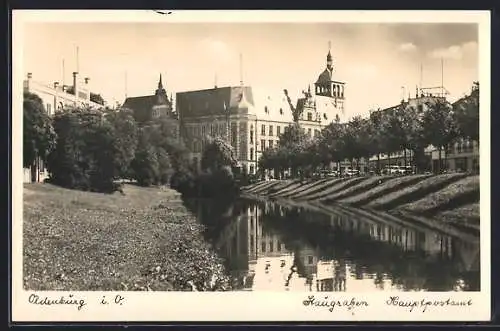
(253,119)
(149,108)
(56,97)
(421,102)
(463,155)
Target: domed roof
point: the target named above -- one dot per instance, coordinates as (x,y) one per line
(325,76)
(243,102)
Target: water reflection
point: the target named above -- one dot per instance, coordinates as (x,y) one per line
(268,246)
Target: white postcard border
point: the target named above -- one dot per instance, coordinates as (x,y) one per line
(247,306)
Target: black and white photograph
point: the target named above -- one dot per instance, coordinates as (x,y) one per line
(321,163)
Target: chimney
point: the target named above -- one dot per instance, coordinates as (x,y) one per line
(56,85)
(87,80)
(27,82)
(75,84)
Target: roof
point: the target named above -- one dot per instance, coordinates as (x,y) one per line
(141,106)
(325,77)
(263,103)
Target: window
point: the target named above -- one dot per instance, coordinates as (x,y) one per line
(251,153)
(278,130)
(266,110)
(316,132)
(41,165)
(262,145)
(263,247)
(310,259)
(263,130)
(270,144)
(309,132)
(251,170)
(271,247)
(270,130)
(309,116)
(49,108)
(251,240)
(251,135)
(281,111)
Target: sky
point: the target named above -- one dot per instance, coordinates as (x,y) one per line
(374,60)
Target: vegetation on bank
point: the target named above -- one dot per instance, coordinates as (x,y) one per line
(145,240)
(88,149)
(438,196)
(402,128)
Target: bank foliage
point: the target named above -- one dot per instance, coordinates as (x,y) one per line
(401,128)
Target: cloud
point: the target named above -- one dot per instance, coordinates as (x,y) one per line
(365,70)
(407,47)
(455,52)
(217,49)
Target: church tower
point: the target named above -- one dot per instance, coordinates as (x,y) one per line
(162,106)
(327,87)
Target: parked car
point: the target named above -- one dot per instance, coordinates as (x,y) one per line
(408,170)
(351,172)
(329,173)
(393,170)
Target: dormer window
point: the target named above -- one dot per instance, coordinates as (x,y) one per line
(324,115)
(266,110)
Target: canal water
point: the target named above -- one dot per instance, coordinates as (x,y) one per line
(270,246)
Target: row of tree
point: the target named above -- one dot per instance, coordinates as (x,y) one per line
(402,128)
(90,149)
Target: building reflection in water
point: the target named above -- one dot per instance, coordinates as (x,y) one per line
(261,257)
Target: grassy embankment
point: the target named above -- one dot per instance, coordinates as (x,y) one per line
(143,240)
(453,198)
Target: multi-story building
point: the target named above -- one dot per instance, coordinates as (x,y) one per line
(56,97)
(422,100)
(463,155)
(148,108)
(253,119)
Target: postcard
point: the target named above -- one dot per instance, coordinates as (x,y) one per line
(250,165)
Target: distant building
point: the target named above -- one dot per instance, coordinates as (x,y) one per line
(421,102)
(56,97)
(463,155)
(253,119)
(151,107)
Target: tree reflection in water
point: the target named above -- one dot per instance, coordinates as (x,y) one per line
(411,258)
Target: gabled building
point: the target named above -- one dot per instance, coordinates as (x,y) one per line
(150,107)
(57,97)
(253,119)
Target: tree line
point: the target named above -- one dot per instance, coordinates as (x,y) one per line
(90,149)
(405,127)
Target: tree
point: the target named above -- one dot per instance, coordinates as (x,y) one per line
(296,111)
(97,98)
(332,143)
(126,135)
(377,133)
(39,137)
(145,165)
(218,154)
(87,152)
(466,112)
(439,126)
(293,143)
